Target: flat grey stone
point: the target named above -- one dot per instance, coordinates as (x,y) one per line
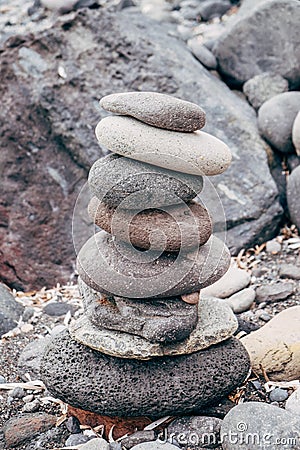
(139,437)
(209,9)
(257,425)
(196,153)
(264,86)
(265,39)
(278,395)
(57,309)
(163,320)
(76,439)
(117,180)
(30,357)
(202,53)
(171,228)
(195,432)
(112,267)
(130,388)
(155,446)
(10,310)
(158,110)
(276,118)
(274,292)
(293,192)
(242,300)
(289,271)
(216,323)
(234,280)
(296,133)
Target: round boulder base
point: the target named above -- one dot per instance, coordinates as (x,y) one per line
(90,380)
(116,268)
(118,180)
(158,110)
(170,229)
(157,320)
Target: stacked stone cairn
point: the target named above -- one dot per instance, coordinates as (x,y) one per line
(146,345)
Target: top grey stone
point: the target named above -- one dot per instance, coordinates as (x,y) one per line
(158,110)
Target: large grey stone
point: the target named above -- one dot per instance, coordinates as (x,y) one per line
(116,268)
(265,39)
(276,118)
(256,425)
(156,109)
(127,387)
(197,153)
(116,179)
(47,123)
(163,320)
(216,323)
(173,228)
(262,87)
(10,310)
(293,192)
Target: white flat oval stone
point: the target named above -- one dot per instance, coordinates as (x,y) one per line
(196,153)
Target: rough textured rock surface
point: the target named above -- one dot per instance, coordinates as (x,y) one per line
(156,109)
(216,324)
(267,425)
(293,193)
(115,268)
(169,229)
(48,143)
(163,320)
(157,387)
(116,179)
(275,346)
(10,310)
(265,39)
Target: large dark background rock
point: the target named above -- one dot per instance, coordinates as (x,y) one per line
(51,84)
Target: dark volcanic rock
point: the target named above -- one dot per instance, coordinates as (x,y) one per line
(265,39)
(48,143)
(159,387)
(10,310)
(115,268)
(156,320)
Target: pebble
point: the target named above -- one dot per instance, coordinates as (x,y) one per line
(95,444)
(57,329)
(114,268)
(275,346)
(209,9)
(30,357)
(172,228)
(76,439)
(233,281)
(28,398)
(202,53)
(274,292)
(195,432)
(289,271)
(276,118)
(145,388)
(273,246)
(264,316)
(296,134)
(158,110)
(73,425)
(17,392)
(28,313)
(257,425)
(10,310)
(278,395)
(264,86)
(57,309)
(2,379)
(59,5)
(293,403)
(31,407)
(242,300)
(293,195)
(122,181)
(161,321)
(195,153)
(157,445)
(216,323)
(138,438)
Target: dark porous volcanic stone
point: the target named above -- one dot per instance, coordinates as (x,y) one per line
(158,110)
(156,320)
(169,229)
(116,268)
(116,179)
(90,380)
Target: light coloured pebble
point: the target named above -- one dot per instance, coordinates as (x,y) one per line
(296,134)
(94,444)
(242,300)
(28,398)
(31,407)
(263,315)
(202,53)
(273,246)
(158,110)
(293,402)
(278,395)
(196,153)
(157,445)
(233,281)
